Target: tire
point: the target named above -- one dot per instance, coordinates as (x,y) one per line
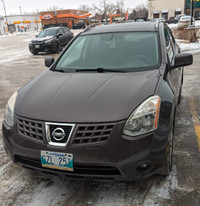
(56,48)
(168,162)
(180,96)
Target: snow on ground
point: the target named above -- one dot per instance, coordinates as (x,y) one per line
(192,47)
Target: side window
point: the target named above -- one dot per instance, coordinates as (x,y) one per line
(65,30)
(169,44)
(60,31)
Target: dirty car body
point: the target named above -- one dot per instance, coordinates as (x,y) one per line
(105,108)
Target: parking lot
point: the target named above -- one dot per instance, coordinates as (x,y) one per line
(19,186)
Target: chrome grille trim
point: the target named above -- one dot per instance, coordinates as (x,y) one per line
(30,129)
(48,135)
(92,133)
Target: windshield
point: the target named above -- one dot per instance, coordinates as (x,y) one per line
(128,51)
(47,32)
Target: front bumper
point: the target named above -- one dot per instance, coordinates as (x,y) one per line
(41,47)
(119,158)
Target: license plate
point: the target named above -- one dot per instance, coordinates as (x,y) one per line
(57,160)
(37,46)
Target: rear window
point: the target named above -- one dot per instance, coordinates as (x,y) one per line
(186,18)
(125,51)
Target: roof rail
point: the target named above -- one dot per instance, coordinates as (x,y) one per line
(157,23)
(90,26)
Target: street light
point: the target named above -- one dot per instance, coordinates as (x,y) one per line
(192,11)
(5,13)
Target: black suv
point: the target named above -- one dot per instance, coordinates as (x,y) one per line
(50,40)
(105,109)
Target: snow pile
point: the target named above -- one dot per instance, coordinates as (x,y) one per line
(188,47)
(172,25)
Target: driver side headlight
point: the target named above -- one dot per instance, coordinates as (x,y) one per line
(48,41)
(144,119)
(9,112)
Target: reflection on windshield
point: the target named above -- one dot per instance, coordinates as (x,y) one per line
(45,33)
(128,51)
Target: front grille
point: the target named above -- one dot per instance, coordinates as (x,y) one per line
(30,129)
(93,170)
(58,134)
(86,134)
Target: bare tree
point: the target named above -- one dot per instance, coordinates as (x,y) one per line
(105,8)
(142,11)
(85,7)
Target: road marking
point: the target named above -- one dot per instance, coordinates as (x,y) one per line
(196,120)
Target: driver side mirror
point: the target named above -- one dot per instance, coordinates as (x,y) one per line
(49,61)
(183,59)
(58,35)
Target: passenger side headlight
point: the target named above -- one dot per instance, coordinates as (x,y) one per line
(144,119)
(9,112)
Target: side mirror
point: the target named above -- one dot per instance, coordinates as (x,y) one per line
(49,61)
(183,59)
(58,35)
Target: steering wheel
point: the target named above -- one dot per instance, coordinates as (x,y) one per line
(146,60)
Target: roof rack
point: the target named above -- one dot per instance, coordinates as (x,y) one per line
(91,26)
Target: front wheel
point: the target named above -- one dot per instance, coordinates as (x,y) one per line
(180,96)
(56,48)
(168,162)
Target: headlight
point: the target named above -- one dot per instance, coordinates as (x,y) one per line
(144,119)
(48,41)
(9,112)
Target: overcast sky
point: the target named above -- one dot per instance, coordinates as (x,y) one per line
(12,6)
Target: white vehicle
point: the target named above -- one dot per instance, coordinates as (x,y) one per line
(185,21)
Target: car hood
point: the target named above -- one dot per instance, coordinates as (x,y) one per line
(85,97)
(42,38)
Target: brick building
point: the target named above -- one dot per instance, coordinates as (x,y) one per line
(63,17)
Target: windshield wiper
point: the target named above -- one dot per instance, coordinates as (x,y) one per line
(99,70)
(58,70)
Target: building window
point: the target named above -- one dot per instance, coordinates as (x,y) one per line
(165,14)
(156,14)
(197,14)
(177,11)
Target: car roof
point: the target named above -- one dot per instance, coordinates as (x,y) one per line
(122,27)
(57,27)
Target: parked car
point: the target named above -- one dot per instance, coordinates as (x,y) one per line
(105,109)
(129,21)
(50,40)
(171,20)
(178,17)
(185,21)
(79,26)
(140,20)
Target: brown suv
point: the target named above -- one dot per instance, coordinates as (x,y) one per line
(105,109)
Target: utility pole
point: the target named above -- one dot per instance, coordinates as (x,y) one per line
(20,9)
(5,14)
(192,11)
